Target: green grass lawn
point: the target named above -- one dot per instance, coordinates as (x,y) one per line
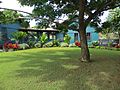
(59,69)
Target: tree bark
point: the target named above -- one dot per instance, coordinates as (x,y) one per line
(85,55)
(119,37)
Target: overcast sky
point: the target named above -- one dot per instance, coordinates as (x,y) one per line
(13,4)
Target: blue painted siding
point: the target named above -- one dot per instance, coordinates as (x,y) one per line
(60,36)
(10,28)
(93,35)
(71,34)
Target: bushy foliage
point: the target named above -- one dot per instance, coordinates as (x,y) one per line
(18,36)
(50,44)
(55,43)
(63,44)
(95,43)
(117,46)
(10,45)
(43,39)
(23,46)
(77,43)
(38,45)
(31,43)
(67,39)
(72,45)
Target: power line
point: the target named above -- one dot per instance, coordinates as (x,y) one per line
(16,10)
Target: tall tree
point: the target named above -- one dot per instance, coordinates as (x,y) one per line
(112,25)
(114,19)
(87,11)
(11,16)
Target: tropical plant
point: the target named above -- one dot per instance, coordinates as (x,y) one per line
(43,39)
(19,36)
(67,39)
(10,45)
(63,44)
(114,19)
(23,46)
(72,45)
(112,25)
(77,43)
(95,43)
(55,43)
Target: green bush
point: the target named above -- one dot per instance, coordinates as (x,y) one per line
(43,39)
(97,47)
(23,46)
(67,39)
(72,45)
(109,44)
(31,43)
(64,44)
(18,36)
(55,43)
(102,47)
(38,45)
(49,44)
(95,43)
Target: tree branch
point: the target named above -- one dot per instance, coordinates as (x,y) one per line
(98,11)
(16,10)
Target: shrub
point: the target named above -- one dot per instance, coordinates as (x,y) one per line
(23,46)
(95,43)
(43,39)
(31,43)
(55,43)
(67,39)
(102,47)
(117,46)
(19,35)
(10,45)
(38,45)
(72,45)
(77,43)
(97,47)
(109,44)
(49,44)
(64,44)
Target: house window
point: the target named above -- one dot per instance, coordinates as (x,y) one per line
(88,36)
(75,36)
(52,36)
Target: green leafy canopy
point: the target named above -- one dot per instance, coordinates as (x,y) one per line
(11,16)
(50,11)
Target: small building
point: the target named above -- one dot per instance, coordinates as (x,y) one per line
(90,33)
(6,30)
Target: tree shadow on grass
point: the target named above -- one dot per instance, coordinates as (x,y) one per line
(53,67)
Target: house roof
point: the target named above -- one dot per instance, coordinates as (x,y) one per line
(38,30)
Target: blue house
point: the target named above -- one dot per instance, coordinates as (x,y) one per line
(90,33)
(8,29)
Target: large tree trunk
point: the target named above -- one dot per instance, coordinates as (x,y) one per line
(119,37)
(85,55)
